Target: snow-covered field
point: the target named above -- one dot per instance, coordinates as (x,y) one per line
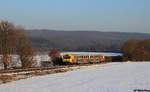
(112,77)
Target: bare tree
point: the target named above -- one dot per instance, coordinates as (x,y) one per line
(25,50)
(8,40)
(14,40)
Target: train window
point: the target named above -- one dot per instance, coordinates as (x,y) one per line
(97,56)
(91,56)
(79,57)
(66,57)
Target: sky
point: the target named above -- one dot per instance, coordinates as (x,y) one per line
(100,15)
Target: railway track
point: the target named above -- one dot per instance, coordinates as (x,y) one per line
(17,74)
(29,69)
(40,68)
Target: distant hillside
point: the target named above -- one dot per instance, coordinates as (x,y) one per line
(81,40)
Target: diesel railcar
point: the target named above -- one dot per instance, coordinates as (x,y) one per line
(82,57)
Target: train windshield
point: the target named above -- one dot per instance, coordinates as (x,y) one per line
(66,57)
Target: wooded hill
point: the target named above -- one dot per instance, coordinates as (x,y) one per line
(81,40)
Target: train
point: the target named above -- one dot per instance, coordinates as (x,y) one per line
(86,57)
(66,58)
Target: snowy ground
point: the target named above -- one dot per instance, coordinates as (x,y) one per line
(112,77)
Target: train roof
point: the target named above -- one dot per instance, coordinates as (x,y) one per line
(94,53)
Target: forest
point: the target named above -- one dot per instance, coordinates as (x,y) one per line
(45,40)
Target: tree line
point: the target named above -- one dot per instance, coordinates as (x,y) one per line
(81,40)
(136,50)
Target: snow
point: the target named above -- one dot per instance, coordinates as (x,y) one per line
(111,77)
(15,60)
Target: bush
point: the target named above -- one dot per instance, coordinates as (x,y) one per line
(137,50)
(108,59)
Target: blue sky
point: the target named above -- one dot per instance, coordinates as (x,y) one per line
(100,15)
